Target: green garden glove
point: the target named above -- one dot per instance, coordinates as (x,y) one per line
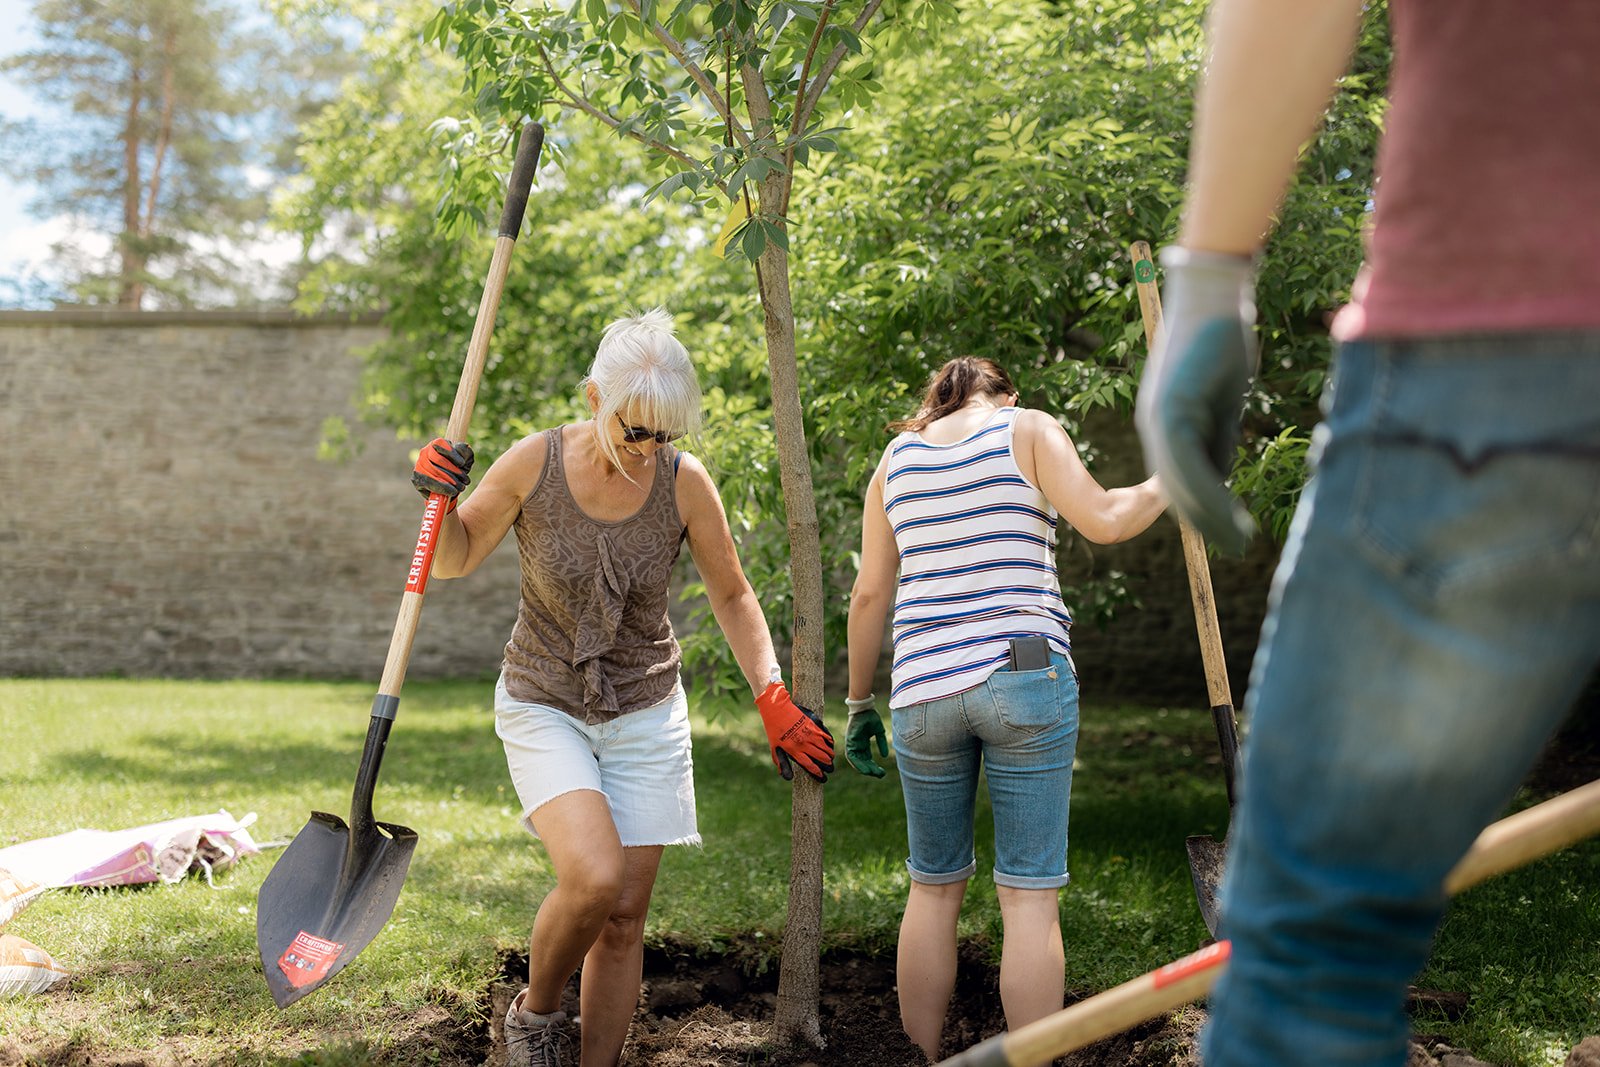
(1192,395)
(863,727)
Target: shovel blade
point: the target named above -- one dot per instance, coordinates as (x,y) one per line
(326,898)
(1206,856)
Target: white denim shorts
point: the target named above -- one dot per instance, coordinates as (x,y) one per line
(640,762)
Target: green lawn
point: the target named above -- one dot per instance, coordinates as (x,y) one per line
(176,966)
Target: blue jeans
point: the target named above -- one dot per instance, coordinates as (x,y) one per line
(1434,616)
(1022,726)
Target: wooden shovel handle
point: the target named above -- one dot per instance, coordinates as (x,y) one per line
(1194,548)
(527,161)
(1512,842)
(529,144)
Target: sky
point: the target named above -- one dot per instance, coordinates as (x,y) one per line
(20,233)
(25,238)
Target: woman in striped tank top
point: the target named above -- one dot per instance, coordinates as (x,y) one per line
(959,539)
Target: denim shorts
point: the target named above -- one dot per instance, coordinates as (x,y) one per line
(1434,616)
(1021,727)
(640,762)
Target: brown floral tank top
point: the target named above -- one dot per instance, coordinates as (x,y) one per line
(592,635)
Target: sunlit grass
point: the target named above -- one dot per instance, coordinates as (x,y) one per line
(177,965)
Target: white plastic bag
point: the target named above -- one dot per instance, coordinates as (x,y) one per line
(164,852)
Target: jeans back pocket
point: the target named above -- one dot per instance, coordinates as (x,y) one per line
(908,723)
(1031,701)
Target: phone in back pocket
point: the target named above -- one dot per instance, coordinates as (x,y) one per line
(1030,653)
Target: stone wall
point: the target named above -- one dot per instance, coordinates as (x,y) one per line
(167,512)
(168,515)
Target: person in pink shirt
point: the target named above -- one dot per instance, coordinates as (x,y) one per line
(1436,610)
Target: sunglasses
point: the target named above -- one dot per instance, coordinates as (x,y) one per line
(635,434)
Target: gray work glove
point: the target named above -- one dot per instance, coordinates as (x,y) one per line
(1192,395)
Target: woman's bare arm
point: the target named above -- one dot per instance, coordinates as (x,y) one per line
(733,602)
(1047,458)
(872,597)
(477,527)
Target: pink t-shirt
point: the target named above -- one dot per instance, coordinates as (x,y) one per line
(1487,214)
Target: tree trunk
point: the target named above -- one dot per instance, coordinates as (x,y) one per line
(169,101)
(798,977)
(130,292)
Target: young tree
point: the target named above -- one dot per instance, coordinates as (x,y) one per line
(169,106)
(981,203)
(730,94)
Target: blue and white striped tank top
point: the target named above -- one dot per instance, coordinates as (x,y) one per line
(977,561)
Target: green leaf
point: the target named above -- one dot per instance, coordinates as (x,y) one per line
(779,16)
(487,102)
(754,242)
(744,16)
(775,234)
(666,187)
(851,42)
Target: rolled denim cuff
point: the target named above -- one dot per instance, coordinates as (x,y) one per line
(942,879)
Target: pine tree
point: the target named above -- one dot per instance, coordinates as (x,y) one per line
(167,104)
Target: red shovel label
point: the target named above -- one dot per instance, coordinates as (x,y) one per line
(1194,963)
(427,540)
(308,958)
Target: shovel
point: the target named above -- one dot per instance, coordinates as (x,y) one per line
(1512,842)
(1206,853)
(336,884)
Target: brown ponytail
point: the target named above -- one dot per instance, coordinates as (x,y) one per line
(952,385)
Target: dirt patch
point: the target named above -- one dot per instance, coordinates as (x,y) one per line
(1572,758)
(699,1010)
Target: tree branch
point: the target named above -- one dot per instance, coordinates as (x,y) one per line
(707,86)
(805,72)
(582,103)
(759,101)
(804,108)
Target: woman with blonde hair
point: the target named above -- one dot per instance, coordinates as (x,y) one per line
(589,705)
(959,540)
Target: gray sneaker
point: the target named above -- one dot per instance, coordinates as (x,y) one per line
(534,1040)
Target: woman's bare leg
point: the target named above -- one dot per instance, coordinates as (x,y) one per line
(925,963)
(1032,960)
(615,963)
(587,855)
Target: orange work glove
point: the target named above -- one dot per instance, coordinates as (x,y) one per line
(794,733)
(443,468)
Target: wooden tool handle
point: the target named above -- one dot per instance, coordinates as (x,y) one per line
(1512,842)
(1194,548)
(529,143)
(528,146)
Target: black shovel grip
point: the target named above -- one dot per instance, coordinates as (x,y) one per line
(378,727)
(529,143)
(1228,740)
